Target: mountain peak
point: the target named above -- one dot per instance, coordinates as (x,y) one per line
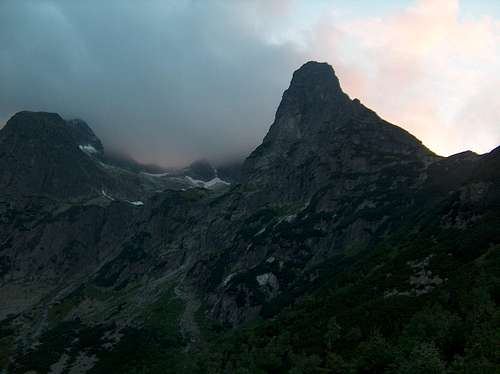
(29,121)
(320,135)
(44,154)
(38,127)
(26,114)
(313,89)
(49,129)
(314,73)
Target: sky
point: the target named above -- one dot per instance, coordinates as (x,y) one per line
(169,82)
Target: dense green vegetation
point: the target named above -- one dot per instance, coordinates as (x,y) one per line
(364,315)
(155,347)
(455,329)
(423,300)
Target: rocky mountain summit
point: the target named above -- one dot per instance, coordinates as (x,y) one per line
(41,154)
(321,137)
(337,213)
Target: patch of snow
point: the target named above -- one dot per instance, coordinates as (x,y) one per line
(87,148)
(288,219)
(228,279)
(261,231)
(215,181)
(136,203)
(271,259)
(306,205)
(107,196)
(210,184)
(159,175)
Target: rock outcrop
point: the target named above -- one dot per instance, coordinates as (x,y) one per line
(321,137)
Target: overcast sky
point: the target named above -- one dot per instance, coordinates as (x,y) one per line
(173,81)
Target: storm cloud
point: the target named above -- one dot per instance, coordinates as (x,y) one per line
(172,81)
(167,82)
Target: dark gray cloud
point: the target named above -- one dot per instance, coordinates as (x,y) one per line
(165,81)
(169,81)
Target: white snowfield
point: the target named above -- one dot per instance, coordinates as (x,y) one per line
(210,184)
(136,203)
(155,175)
(109,197)
(87,148)
(106,195)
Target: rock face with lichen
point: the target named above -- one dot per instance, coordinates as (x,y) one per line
(330,181)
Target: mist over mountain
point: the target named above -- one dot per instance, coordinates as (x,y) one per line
(167,97)
(171,82)
(342,244)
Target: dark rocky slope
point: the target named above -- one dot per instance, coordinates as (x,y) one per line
(42,154)
(334,196)
(321,137)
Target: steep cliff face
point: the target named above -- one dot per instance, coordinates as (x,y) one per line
(321,137)
(330,179)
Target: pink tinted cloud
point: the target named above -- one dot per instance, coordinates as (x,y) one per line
(427,68)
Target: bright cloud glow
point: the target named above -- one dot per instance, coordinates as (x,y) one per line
(428,68)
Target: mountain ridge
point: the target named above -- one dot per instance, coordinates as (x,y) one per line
(317,123)
(43,154)
(335,199)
